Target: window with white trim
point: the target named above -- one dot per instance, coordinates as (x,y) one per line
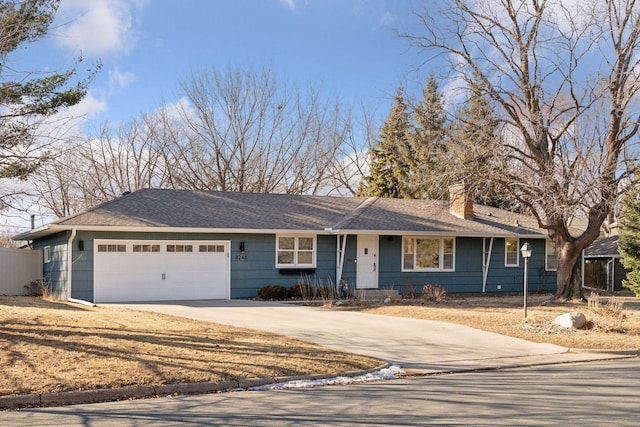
(428,254)
(46,254)
(511,252)
(295,251)
(550,260)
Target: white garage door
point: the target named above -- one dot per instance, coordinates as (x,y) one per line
(151,270)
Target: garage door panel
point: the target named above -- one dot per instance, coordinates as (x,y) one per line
(162,275)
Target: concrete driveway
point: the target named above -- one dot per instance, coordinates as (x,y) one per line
(424,345)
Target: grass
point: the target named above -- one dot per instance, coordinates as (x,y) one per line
(48,346)
(612,325)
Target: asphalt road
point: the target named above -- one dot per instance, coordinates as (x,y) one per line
(585,394)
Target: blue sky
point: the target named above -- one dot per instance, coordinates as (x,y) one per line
(148,46)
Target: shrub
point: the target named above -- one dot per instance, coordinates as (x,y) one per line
(409,291)
(327,293)
(435,293)
(301,291)
(608,317)
(272,292)
(37,288)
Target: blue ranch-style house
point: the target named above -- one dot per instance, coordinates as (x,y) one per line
(156,244)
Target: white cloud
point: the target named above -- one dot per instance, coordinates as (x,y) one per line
(290,3)
(120,80)
(97,27)
(67,123)
(178,110)
(387,19)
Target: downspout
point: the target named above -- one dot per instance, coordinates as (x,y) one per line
(70,262)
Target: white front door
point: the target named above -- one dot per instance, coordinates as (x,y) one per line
(367,261)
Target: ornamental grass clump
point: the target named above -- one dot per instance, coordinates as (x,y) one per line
(433,293)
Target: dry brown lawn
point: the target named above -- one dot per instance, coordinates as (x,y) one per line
(48,346)
(610,327)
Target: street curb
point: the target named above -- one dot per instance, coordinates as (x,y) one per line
(417,373)
(140,392)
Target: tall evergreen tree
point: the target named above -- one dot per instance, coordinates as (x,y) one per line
(629,246)
(26,96)
(428,144)
(389,172)
(474,136)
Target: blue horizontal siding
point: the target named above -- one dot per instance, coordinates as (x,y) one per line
(467,276)
(54,273)
(257,265)
(249,272)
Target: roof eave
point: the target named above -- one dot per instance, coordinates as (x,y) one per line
(53,228)
(527,235)
(56,228)
(37,233)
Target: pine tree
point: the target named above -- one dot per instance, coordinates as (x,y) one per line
(429,176)
(474,134)
(389,173)
(27,96)
(629,246)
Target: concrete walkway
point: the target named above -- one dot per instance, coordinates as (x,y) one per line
(415,345)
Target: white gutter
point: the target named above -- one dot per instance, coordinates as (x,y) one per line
(437,233)
(70,262)
(55,228)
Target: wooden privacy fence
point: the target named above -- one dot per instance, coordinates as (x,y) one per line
(18,268)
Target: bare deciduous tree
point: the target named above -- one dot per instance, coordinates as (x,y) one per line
(351,161)
(564,78)
(81,174)
(243,130)
(234,131)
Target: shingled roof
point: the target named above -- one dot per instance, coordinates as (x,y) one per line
(603,248)
(176,210)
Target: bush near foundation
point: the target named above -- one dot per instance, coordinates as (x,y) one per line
(272,292)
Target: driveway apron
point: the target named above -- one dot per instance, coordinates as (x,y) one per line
(412,344)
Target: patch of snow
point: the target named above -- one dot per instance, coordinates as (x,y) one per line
(391,372)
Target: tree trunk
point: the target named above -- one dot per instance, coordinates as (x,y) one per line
(569,272)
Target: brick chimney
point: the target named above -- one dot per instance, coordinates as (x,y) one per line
(461,200)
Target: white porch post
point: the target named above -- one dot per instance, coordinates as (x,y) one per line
(486,260)
(341,246)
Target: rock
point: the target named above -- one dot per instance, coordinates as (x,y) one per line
(339,302)
(571,320)
(387,300)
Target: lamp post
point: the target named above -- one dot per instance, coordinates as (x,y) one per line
(526,250)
